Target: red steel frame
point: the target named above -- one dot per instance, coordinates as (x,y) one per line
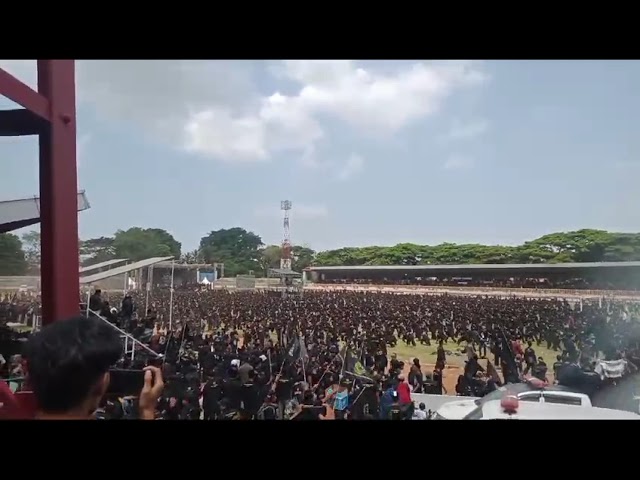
(50,113)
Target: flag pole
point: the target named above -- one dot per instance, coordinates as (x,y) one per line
(304,372)
(146,302)
(171,296)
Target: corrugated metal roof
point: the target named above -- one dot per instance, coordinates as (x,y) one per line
(102,265)
(120,270)
(487,266)
(282,272)
(26,211)
(189,266)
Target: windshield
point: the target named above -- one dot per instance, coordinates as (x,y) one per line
(475,414)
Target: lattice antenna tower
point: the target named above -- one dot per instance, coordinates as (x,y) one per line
(285,259)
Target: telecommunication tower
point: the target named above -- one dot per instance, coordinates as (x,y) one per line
(285,259)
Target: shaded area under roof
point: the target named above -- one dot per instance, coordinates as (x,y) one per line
(24,212)
(96,266)
(279,272)
(184,266)
(121,270)
(482,268)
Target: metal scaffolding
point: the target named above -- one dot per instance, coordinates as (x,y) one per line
(50,113)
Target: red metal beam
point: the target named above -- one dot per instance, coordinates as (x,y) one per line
(58,192)
(15,90)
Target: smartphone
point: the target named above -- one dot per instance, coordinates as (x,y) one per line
(156,362)
(125,382)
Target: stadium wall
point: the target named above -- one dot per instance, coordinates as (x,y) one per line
(15,283)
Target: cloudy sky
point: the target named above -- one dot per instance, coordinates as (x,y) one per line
(375,152)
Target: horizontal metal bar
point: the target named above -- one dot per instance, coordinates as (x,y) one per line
(23,95)
(129,336)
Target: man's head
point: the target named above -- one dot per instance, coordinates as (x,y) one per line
(69,363)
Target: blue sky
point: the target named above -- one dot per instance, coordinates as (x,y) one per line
(369,153)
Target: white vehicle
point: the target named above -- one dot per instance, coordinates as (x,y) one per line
(510,408)
(533,391)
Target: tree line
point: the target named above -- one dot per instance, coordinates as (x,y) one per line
(244,252)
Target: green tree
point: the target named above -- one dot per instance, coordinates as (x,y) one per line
(165,238)
(585,245)
(237,248)
(96,250)
(270,257)
(12,256)
(139,243)
(195,256)
(31,247)
(303,257)
(622,247)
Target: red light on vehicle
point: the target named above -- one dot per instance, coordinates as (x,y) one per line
(509,403)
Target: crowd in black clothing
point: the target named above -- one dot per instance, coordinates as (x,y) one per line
(259,355)
(484,281)
(325,354)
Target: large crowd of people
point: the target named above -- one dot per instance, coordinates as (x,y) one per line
(487,281)
(327,354)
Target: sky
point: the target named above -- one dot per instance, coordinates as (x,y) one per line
(369,152)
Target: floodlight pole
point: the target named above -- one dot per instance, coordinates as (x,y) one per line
(173,264)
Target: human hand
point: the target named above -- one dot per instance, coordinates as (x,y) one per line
(150,393)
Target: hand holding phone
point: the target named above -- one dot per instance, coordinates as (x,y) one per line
(125,382)
(150,393)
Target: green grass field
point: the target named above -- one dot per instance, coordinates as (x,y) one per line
(455,353)
(427,354)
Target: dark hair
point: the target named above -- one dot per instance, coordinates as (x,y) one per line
(67,358)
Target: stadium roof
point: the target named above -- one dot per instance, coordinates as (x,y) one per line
(189,266)
(485,268)
(121,270)
(96,266)
(283,273)
(23,212)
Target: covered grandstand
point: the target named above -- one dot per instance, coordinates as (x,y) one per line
(24,212)
(186,273)
(101,265)
(605,275)
(127,277)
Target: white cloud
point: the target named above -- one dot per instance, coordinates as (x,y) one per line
(458,162)
(81,147)
(466,130)
(299,211)
(353,166)
(216,108)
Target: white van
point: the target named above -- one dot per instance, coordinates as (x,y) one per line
(530,391)
(512,409)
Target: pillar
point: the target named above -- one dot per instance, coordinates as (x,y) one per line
(58,192)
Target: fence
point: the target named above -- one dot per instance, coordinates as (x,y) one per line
(245,282)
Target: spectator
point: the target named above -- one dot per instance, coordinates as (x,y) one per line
(68,369)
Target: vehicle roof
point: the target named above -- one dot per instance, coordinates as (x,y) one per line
(546,411)
(457,409)
(518,388)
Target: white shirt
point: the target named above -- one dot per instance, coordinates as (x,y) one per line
(419,415)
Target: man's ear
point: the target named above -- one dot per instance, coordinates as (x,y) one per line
(102,385)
